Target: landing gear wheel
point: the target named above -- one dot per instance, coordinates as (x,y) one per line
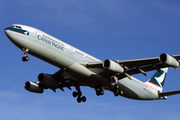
(79,99)
(79,93)
(25,51)
(25,58)
(102,92)
(98,92)
(83,98)
(116,93)
(116,86)
(74,94)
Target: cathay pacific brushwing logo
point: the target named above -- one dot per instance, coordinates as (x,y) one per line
(26,32)
(161,78)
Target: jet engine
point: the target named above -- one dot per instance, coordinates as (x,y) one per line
(33,87)
(47,80)
(168,60)
(112,66)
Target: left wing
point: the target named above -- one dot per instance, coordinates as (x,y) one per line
(57,80)
(126,68)
(65,80)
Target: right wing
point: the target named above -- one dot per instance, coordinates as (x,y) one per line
(134,66)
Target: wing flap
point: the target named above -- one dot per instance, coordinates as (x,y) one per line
(136,70)
(139,62)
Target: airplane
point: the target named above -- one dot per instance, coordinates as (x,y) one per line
(77,68)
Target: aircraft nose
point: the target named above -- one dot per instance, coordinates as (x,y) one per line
(6,30)
(9,34)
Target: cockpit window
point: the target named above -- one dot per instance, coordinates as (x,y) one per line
(16,26)
(19,27)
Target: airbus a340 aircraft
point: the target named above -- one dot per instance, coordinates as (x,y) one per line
(78,68)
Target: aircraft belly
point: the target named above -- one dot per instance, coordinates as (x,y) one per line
(87,77)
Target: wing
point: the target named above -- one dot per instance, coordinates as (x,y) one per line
(63,80)
(134,66)
(169,93)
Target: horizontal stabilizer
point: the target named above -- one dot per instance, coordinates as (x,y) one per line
(169,93)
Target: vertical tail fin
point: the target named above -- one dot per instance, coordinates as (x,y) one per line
(157,80)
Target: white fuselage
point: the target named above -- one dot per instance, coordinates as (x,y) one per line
(66,57)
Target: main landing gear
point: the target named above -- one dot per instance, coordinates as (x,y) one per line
(99,91)
(78,94)
(25,51)
(115,89)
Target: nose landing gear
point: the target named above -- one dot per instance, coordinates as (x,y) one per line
(25,58)
(25,51)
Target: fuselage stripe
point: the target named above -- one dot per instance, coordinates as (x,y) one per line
(15,32)
(153,83)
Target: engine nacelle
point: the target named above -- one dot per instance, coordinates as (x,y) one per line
(47,80)
(33,87)
(112,66)
(168,60)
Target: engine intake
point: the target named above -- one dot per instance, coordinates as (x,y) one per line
(48,80)
(33,87)
(112,66)
(168,60)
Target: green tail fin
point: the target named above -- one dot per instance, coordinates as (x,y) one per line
(158,79)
